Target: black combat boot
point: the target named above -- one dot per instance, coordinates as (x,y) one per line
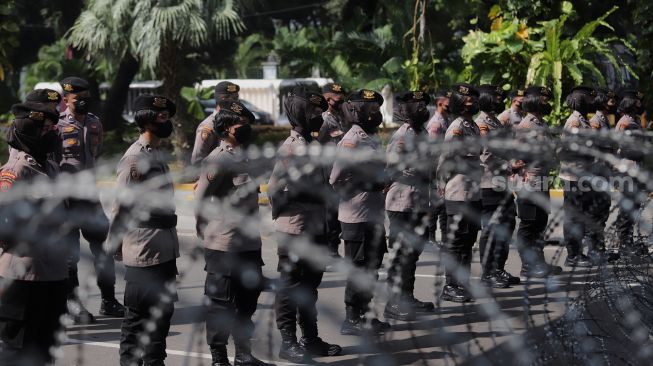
(420,306)
(244,357)
(507,277)
(579,260)
(290,349)
(399,309)
(455,293)
(316,347)
(494,281)
(219,356)
(111,307)
(353,324)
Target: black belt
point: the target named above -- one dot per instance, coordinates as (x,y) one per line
(159,222)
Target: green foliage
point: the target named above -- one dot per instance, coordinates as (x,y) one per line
(52,65)
(9,32)
(192,97)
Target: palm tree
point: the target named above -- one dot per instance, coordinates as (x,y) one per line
(158,34)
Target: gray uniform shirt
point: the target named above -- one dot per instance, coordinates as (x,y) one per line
(575,165)
(228,215)
(36,252)
(437,126)
(332,129)
(81,142)
(631,126)
(408,172)
(510,116)
(459,168)
(493,165)
(359,183)
(532,131)
(206,140)
(145,178)
(298,184)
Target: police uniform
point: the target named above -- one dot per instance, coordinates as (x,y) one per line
(148,244)
(205,138)
(81,143)
(576,203)
(33,253)
(459,172)
(331,132)
(533,200)
(436,128)
(498,214)
(599,211)
(228,223)
(359,186)
(631,156)
(510,116)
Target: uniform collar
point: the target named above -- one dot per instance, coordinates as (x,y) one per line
(227,146)
(146,145)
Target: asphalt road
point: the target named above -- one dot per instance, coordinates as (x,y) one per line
(450,335)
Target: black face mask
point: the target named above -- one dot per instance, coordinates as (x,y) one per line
(373,122)
(612,109)
(472,109)
(497,106)
(163,130)
(546,109)
(243,134)
(50,141)
(81,105)
(315,123)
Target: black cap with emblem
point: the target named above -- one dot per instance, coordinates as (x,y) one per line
(491,98)
(410,107)
(237,108)
(27,132)
(333,88)
(363,108)
(37,112)
(517,93)
(155,103)
(441,94)
(231,114)
(74,85)
(43,96)
(538,91)
(304,110)
(225,88)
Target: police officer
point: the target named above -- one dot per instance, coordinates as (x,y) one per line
(605,103)
(46,96)
(406,202)
(299,213)
(515,113)
(437,128)
(228,223)
(33,255)
(358,178)
(459,172)
(532,182)
(205,138)
(330,134)
(145,231)
(629,127)
(575,166)
(81,136)
(498,215)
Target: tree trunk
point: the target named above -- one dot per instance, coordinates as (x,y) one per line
(111,115)
(172,76)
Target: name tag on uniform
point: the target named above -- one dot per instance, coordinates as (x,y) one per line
(71,142)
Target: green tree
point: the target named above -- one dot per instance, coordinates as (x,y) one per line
(162,36)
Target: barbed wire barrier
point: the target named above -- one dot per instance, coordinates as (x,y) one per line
(594,316)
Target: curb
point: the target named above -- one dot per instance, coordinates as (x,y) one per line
(263,198)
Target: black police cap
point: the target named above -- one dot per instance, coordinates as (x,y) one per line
(517,93)
(309,96)
(607,92)
(156,103)
(74,84)
(630,93)
(443,94)
(226,87)
(464,89)
(34,111)
(584,90)
(237,108)
(333,88)
(491,89)
(43,96)
(413,97)
(365,96)
(540,91)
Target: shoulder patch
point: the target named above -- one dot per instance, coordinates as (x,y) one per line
(457,132)
(7,180)
(210,177)
(348,144)
(483,128)
(134,173)
(575,124)
(204,133)
(69,129)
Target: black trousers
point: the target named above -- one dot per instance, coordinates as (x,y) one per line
(93,226)
(147,288)
(463,223)
(577,207)
(29,320)
(365,245)
(437,217)
(297,295)
(530,233)
(333,229)
(498,224)
(598,212)
(632,199)
(407,235)
(233,285)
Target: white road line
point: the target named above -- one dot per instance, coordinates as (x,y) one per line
(168,351)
